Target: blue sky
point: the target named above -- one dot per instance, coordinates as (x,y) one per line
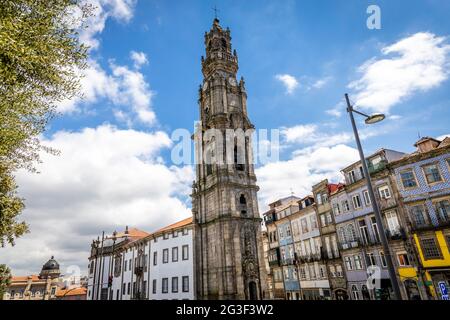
(115,167)
(310,40)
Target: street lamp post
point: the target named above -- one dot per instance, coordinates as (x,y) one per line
(370,120)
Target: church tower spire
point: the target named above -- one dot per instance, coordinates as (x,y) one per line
(229,262)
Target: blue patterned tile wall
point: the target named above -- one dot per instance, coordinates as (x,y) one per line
(423,191)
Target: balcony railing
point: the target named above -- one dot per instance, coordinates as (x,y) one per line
(373,168)
(425,225)
(274,263)
(287,261)
(398,234)
(349,244)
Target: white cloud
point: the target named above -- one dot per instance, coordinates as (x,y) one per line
(313,134)
(123,87)
(307,167)
(104,179)
(443,137)
(416,63)
(321,83)
(135,92)
(289,82)
(336,111)
(120,10)
(139,58)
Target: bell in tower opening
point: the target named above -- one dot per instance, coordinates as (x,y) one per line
(229,262)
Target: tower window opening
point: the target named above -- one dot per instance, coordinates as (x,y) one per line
(238,166)
(243,204)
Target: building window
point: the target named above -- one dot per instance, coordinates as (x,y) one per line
(355,292)
(443,210)
(165,285)
(174,254)
(336,209)
(352,177)
(185,252)
(129,288)
(165,255)
(351,233)
(175,233)
(417,215)
(288,231)
(432,173)
(166,236)
(408,179)
(174,284)
(319,199)
(363,231)
(376,232)
(403,260)
(358,262)
(185,232)
(367,201)
(430,249)
(154,286)
(384,192)
(304,223)
(339,272)
(185,284)
(348,263)
(323,220)
(383,260)
(53,291)
(155,258)
(129,264)
(314,224)
(356,201)
(392,222)
(371,259)
(124,288)
(345,206)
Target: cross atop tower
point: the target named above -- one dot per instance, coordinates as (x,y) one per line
(215,12)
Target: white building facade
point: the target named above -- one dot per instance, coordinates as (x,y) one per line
(135,265)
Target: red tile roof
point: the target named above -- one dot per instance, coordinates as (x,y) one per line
(176,225)
(81,291)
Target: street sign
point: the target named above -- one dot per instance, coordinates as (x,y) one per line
(442,285)
(444,292)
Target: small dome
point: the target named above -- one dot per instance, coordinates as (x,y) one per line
(51,264)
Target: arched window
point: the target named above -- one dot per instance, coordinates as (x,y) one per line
(242,199)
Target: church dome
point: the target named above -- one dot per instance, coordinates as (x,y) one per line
(51,265)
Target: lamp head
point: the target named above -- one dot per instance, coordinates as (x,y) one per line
(375,118)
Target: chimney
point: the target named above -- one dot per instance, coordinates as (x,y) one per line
(426,144)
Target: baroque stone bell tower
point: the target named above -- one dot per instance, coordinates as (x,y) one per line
(229,260)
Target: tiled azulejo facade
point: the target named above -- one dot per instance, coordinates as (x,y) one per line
(327,245)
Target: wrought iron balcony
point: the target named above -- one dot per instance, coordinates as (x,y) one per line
(398,234)
(374,168)
(349,244)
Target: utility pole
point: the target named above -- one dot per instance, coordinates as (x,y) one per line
(376,209)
